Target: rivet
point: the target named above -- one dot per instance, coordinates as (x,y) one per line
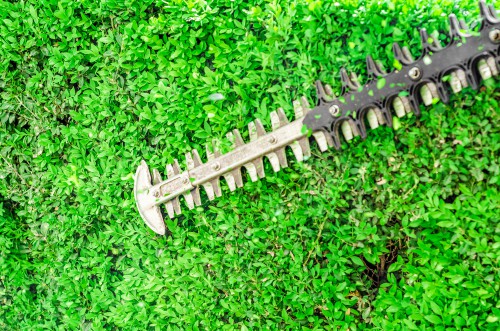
(495,35)
(415,73)
(334,110)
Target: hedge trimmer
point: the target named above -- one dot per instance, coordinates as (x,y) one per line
(470,56)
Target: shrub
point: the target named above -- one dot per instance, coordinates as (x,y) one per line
(399,231)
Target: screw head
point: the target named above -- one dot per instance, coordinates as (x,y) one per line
(273,140)
(334,110)
(415,73)
(216,166)
(495,36)
(185,181)
(156,194)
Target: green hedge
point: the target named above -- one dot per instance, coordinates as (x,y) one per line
(398,232)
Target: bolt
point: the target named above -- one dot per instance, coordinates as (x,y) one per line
(273,140)
(216,166)
(415,73)
(334,110)
(495,36)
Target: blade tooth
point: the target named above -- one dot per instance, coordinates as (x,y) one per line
(400,55)
(349,80)
(170,209)
(274,160)
(336,139)
(177,205)
(156,178)
(414,103)
(259,128)
(170,171)
(361,122)
(238,140)
(442,93)
(282,117)
(483,8)
(463,25)
(424,40)
(372,118)
(320,92)
(380,115)
(188,197)
(304,142)
(375,118)
(493,12)
(436,43)
(252,171)
(305,147)
(210,153)
(297,109)
(407,54)
(176,167)
(375,69)
(490,61)
(238,179)
(297,149)
(463,78)
(484,69)
(455,28)
(196,158)
(399,107)
(169,205)
(252,131)
(346,129)
(355,80)
(196,196)
(329,91)
(209,190)
(472,80)
(487,12)
(275,121)
(216,147)
(455,83)
(216,187)
(350,129)
(322,140)
(428,92)
(306,107)
(259,167)
(189,161)
(230,180)
(280,153)
(407,104)
(230,137)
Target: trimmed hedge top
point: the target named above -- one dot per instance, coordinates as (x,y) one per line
(397,232)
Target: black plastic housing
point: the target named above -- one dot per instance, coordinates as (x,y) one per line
(464,51)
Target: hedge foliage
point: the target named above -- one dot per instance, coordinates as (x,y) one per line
(397,232)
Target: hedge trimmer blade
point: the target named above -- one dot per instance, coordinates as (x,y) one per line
(468,58)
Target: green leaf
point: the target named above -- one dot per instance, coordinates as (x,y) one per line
(357,260)
(434,319)
(381,83)
(436,309)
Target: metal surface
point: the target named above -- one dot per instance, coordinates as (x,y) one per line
(468,59)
